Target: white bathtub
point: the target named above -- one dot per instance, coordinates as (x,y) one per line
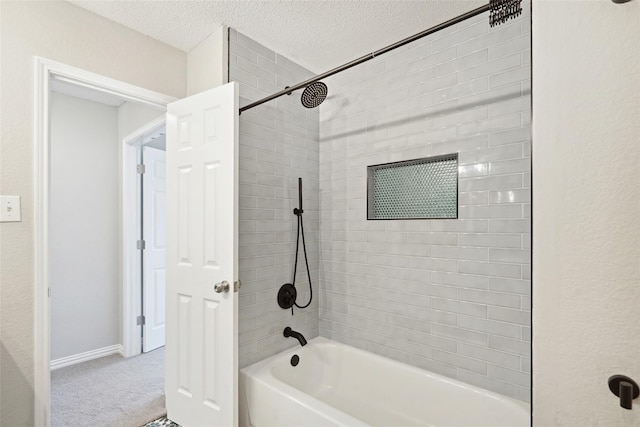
(338,385)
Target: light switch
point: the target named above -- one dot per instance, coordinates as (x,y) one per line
(10,209)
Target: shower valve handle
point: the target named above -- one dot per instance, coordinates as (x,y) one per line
(221,287)
(625,388)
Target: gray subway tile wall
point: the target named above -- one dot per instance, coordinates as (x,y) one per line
(451,296)
(278,144)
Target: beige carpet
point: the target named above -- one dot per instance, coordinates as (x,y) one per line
(109,392)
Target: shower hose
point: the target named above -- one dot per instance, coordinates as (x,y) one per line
(306,261)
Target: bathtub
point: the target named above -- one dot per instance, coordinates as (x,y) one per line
(338,385)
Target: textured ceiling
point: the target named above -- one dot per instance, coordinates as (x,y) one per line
(319,35)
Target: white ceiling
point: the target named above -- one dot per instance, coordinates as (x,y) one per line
(318,34)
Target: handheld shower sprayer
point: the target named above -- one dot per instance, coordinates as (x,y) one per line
(298,211)
(287,294)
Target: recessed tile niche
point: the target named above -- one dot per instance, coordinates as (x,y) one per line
(425,188)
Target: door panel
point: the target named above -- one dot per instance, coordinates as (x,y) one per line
(201,358)
(154,233)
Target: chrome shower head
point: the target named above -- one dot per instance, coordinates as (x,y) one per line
(314,94)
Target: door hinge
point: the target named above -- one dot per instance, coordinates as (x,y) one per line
(236,285)
(140,320)
(141,244)
(141,169)
(49,292)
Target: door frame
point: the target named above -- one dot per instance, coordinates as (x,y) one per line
(44,70)
(131,230)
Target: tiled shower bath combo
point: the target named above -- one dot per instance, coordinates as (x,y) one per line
(450,294)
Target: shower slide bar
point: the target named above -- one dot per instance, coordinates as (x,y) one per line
(501,11)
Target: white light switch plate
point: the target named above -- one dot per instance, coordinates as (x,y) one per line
(10,209)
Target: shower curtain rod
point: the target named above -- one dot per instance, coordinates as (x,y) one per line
(369,56)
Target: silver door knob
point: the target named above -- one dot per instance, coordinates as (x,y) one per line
(221,287)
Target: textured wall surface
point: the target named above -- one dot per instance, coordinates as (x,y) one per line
(278,144)
(451,296)
(586,210)
(62,32)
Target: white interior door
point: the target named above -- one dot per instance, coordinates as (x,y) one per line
(154,229)
(201,365)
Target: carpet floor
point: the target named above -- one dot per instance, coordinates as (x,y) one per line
(109,392)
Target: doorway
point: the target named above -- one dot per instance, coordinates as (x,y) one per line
(86,310)
(144,291)
(92,186)
(203,133)
(153,250)
(86,127)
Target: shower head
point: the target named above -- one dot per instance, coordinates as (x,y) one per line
(503,10)
(314,94)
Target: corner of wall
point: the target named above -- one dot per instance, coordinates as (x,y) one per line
(278,144)
(207,63)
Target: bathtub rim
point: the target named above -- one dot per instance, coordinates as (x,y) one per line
(261,372)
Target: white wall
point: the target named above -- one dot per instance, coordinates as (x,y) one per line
(62,32)
(207,63)
(133,116)
(586,210)
(85,243)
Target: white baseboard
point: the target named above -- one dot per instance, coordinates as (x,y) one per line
(86,356)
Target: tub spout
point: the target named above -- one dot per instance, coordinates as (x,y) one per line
(288,332)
